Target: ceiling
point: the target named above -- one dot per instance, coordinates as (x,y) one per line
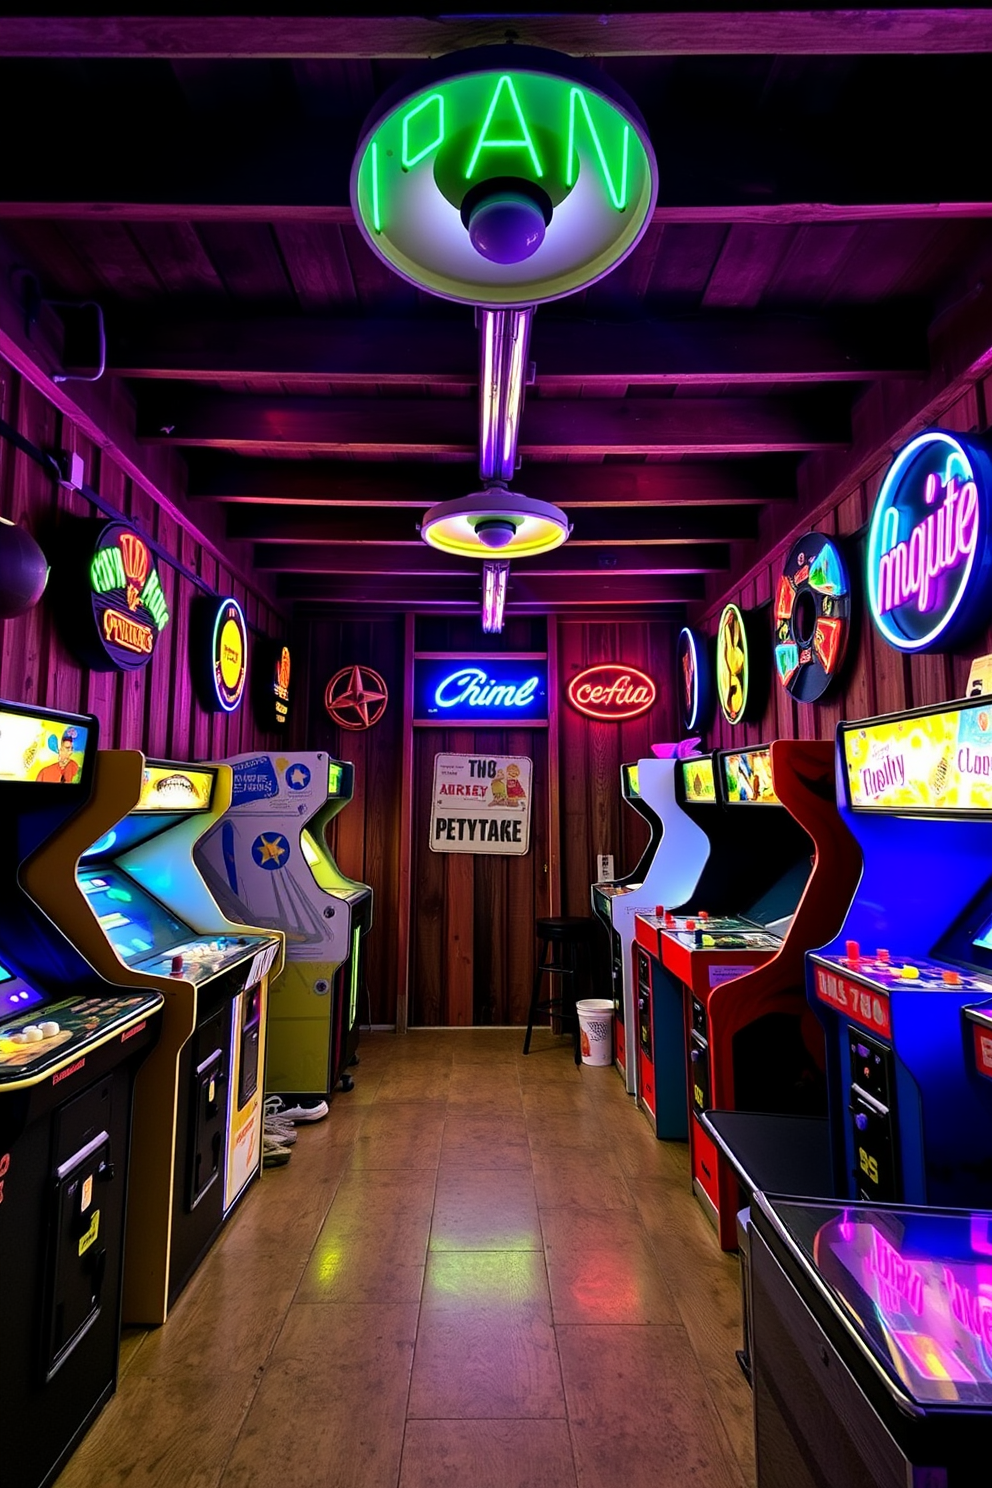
(825,201)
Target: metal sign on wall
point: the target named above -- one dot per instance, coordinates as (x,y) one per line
(481,804)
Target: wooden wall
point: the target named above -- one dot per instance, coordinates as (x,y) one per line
(875,678)
(472,940)
(151,709)
(365,836)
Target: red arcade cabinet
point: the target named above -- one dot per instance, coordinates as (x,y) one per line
(751,1041)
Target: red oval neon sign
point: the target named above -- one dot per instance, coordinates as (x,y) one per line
(611,692)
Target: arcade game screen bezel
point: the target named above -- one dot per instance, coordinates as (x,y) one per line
(762,751)
(83,780)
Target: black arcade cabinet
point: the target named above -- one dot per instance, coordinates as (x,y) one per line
(70,1047)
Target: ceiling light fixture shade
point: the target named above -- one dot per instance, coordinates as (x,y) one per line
(504,345)
(504,176)
(476,525)
(495,577)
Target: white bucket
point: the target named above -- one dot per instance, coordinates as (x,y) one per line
(595,1030)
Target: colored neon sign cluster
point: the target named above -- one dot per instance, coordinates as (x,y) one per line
(472,687)
(611,692)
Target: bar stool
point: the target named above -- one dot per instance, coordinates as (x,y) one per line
(561,941)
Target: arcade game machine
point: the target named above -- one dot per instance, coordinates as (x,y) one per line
(268,861)
(751,1042)
(908,1113)
(663,875)
(70,1048)
(146,918)
(871,1359)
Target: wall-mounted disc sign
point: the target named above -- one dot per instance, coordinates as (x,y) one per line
(127,605)
(694,679)
(219,653)
(929,560)
(732,665)
(812,617)
(504,176)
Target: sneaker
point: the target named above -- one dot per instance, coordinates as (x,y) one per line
(280,1131)
(275,1154)
(314,1110)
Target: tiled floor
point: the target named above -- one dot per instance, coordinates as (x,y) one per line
(480,1271)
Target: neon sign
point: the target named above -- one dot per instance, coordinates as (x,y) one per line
(812,617)
(929,554)
(219,650)
(507,689)
(128,605)
(612,693)
(552,145)
(732,664)
(271,670)
(694,679)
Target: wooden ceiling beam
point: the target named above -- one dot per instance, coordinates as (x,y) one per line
(571,561)
(695,350)
(625,526)
(375,426)
(874,29)
(233,479)
(538,594)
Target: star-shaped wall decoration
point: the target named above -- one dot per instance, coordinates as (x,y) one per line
(356,697)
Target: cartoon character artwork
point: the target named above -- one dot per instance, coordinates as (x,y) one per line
(515,793)
(498,790)
(63,769)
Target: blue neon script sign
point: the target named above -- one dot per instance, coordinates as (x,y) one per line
(452,690)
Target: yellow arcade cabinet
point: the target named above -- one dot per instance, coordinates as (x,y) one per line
(145,917)
(70,1048)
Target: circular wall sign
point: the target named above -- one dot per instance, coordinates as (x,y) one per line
(929,555)
(732,664)
(356,698)
(611,692)
(219,642)
(127,605)
(694,679)
(812,617)
(504,175)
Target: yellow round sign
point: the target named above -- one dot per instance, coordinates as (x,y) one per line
(232,655)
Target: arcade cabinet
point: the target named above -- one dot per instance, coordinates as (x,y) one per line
(268,861)
(145,917)
(751,1042)
(871,1345)
(71,1045)
(909,1120)
(665,874)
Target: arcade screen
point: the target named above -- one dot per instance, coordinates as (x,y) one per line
(335,776)
(135,924)
(747,777)
(932,763)
(129,832)
(699,781)
(918,1286)
(631,783)
(175,788)
(42,751)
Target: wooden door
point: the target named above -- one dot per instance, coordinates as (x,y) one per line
(473,943)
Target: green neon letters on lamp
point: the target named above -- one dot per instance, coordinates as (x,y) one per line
(525,143)
(546,127)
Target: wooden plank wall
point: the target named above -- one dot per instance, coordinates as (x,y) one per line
(151,709)
(365,835)
(594,817)
(875,678)
(473,945)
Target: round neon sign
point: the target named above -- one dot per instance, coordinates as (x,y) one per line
(812,617)
(612,693)
(504,176)
(929,556)
(732,664)
(695,679)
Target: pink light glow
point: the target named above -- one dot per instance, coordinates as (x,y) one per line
(945,538)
